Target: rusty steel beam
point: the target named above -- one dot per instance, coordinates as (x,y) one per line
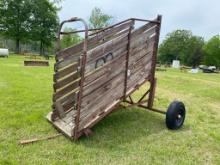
(82,73)
(127,60)
(153,66)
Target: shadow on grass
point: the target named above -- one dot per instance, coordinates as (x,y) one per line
(123,127)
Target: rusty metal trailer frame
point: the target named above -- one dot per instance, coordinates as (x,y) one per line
(146,101)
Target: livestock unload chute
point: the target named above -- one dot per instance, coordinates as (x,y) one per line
(94,77)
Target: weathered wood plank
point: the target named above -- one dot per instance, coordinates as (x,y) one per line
(112,45)
(66,89)
(69,106)
(142,29)
(106,68)
(141,71)
(67,98)
(140,76)
(107,76)
(139,54)
(68,102)
(68,70)
(102,102)
(136,41)
(142,38)
(61,125)
(108,46)
(101,115)
(147,43)
(69,119)
(116,52)
(68,61)
(92,41)
(65,81)
(101,91)
(140,62)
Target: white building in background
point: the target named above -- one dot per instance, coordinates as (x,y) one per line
(4,52)
(176,64)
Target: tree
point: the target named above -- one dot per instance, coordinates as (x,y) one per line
(44,23)
(181,45)
(14,23)
(69,40)
(212,51)
(194,53)
(98,19)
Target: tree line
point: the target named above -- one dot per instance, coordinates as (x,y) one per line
(37,20)
(23,20)
(191,50)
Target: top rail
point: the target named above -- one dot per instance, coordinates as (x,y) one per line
(98,30)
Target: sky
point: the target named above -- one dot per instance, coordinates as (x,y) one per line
(200,16)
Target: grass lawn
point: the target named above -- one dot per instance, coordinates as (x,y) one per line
(128,136)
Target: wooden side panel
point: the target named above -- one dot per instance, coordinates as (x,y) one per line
(105,85)
(93,41)
(108,71)
(141,56)
(115,47)
(106,95)
(67,76)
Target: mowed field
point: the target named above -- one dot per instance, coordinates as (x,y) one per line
(127,136)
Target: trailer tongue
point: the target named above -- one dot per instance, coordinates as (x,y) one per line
(95,76)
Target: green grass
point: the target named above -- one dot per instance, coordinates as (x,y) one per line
(131,136)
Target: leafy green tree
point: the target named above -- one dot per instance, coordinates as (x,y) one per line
(194,53)
(212,51)
(44,23)
(98,19)
(181,45)
(69,40)
(14,22)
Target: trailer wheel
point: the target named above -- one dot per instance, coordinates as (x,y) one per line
(175,115)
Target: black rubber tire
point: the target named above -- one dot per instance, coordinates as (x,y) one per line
(175,115)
